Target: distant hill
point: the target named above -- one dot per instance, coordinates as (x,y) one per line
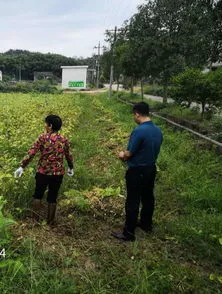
(12,60)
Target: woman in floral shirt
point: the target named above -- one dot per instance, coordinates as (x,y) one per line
(50,169)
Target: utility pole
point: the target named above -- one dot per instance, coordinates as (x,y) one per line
(20,72)
(98,65)
(112,66)
(112,58)
(1,70)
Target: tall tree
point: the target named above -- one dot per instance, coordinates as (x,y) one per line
(217,32)
(169,34)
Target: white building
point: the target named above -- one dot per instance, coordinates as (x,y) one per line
(0,75)
(74,77)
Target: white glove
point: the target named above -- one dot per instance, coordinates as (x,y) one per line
(70,172)
(18,173)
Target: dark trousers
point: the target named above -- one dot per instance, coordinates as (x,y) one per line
(43,182)
(139,184)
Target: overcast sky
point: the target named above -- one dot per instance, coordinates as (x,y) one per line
(67,27)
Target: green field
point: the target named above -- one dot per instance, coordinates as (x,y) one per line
(183,255)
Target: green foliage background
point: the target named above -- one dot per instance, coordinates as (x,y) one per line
(12,60)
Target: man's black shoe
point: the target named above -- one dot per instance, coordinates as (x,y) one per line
(123,237)
(147,229)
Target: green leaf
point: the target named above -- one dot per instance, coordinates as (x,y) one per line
(213,236)
(219,279)
(220,241)
(44,223)
(110,192)
(68,261)
(212,277)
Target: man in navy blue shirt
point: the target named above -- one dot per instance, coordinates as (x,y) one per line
(141,155)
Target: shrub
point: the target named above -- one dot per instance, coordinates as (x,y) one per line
(6,78)
(215,80)
(43,86)
(184,85)
(155,90)
(4,87)
(195,86)
(23,87)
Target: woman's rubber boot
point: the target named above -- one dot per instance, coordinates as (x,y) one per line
(36,206)
(51,214)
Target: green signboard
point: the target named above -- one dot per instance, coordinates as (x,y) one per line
(76,84)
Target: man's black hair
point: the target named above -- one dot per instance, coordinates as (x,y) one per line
(55,121)
(142,108)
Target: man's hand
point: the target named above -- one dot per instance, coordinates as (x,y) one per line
(18,173)
(125,155)
(121,155)
(70,172)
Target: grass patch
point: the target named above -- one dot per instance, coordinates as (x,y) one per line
(80,256)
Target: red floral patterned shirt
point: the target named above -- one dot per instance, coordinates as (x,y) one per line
(53,147)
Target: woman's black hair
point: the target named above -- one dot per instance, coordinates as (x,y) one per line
(55,121)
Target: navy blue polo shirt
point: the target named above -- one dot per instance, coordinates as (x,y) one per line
(144,144)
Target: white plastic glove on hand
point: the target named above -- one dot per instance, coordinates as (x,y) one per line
(18,173)
(70,172)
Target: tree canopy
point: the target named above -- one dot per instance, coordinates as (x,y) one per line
(165,36)
(14,60)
